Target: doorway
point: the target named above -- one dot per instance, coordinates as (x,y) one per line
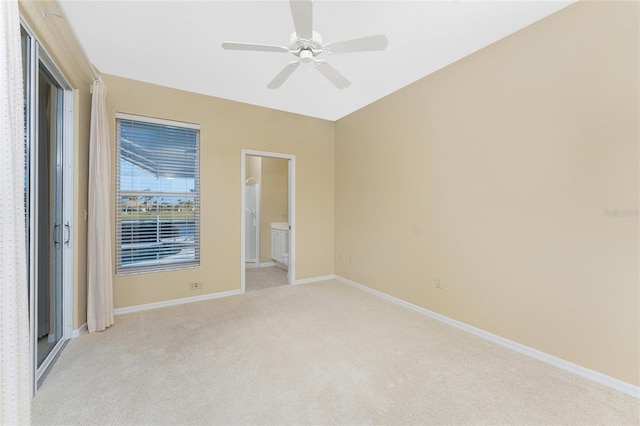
(268,229)
(47,187)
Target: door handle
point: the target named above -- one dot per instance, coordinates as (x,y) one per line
(67,227)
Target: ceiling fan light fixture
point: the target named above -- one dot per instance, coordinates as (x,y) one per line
(306,56)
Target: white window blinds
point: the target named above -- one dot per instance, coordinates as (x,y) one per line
(157,195)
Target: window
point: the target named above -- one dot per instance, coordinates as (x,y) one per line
(157,195)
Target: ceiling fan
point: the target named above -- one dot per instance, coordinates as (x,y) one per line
(307,44)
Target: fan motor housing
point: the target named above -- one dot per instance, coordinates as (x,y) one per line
(299,45)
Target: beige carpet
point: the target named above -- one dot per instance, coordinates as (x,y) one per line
(322,353)
(261,278)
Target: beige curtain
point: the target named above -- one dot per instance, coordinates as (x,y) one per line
(99,253)
(15,391)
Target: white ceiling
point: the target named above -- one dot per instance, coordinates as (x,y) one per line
(177,44)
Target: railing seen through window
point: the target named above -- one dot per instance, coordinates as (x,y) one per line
(158,203)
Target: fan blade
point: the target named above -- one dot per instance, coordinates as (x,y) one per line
(283,75)
(332,74)
(302,12)
(230,45)
(364,44)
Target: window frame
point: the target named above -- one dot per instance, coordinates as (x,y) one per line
(159,266)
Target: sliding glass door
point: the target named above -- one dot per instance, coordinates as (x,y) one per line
(49,227)
(48,231)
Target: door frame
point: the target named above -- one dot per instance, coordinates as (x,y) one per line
(291,168)
(37,54)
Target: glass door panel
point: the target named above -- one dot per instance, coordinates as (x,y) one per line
(49,325)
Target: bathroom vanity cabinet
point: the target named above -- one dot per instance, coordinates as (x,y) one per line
(280,242)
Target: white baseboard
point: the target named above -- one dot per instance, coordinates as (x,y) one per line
(79,331)
(164,304)
(314,279)
(587,373)
(267,264)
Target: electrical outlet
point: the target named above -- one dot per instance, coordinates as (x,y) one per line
(196,285)
(438,283)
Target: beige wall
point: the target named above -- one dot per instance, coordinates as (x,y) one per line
(226,128)
(55,36)
(274,203)
(494,175)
